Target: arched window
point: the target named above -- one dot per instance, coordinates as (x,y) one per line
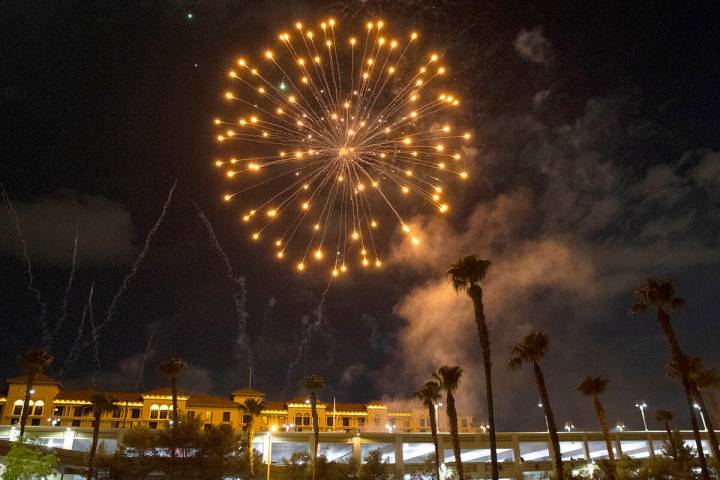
(154,410)
(164,412)
(38,410)
(17,407)
(306,419)
(298,419)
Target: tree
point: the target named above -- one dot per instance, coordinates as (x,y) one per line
(312,384)
(700,379)
(594,387)
(375,468)
(449,380)
(172,369)
(27,460)
(429,394)
(253,408)
(101,403)
(665,417)
(466,275)
(531,350)
(32,363)
(660,294)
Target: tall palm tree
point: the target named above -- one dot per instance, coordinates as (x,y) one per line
(449,380)
(700,379)
(253,408)
(665,417)
(32,363)
(594,387)
(101,403)
(466,275)
(660,295)
(172,368)
(531,350)
(312,384)
(429,394)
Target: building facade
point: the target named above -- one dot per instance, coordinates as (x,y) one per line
(53,405)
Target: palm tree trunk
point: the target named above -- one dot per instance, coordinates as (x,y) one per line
(93,447)
(452,419)
(436,443)
(26,403)
(316,432)
(606,433)
(709,424)
(678,357)
(671,440)
(475,292)
(251,452)
(552,428)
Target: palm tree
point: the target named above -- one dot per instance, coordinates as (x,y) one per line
(712,381)
(665,417)
(449,380)
(531,350)
(172,368)
(466,275)
(32,363)
(594,387)
(700,379)
(429,394)
(253,408)
(312,384)
(660,294)
(101,403)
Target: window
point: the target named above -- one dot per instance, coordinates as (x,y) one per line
(298,419)
(154,413)
(208,416)
(17,410)
(163,414)
(463,422)
(330,421)
(116,412)
(226,417)
(38,410)
(346,421)
(191,414)
(422,421)
(35,422)
(153,425)
(59,411)
(78,411)
(377,421)
(306,419)
(115,425)
(135,413)
(76,423)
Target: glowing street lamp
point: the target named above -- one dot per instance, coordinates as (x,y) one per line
(702,417)
(547,425)
(642,406)
(620,427)
(569,426)
(437,415)
(273,429)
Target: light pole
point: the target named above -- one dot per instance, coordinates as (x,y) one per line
(437,415)
(569,426)
(620,426)
(273,429)
(547,425)
(642,406)
(702,417)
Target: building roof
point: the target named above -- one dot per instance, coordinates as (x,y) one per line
(85,395)
(40,379)
(210,401)
(248,392)
(348,407)
(275,405)
(163,392)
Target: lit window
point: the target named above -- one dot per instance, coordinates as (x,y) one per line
(226,416)
(346,421)
(38,410)
(208,416)
(306,419)
(135,413)
(78,411)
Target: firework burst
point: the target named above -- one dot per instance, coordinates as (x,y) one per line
(336,135)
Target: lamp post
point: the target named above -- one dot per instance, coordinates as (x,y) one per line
(273,429)
(702,417)
(547,425)
(569,426)
(620,426)
(642,406)
(437,415)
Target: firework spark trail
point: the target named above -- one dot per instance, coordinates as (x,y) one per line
(239,294)
(28,264)
(146,354)
(96,347)
(68,288)
(138,261)
(75,349)
(307,332)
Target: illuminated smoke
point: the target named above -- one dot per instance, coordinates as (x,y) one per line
(28,264)
(138,261)
(96,347)
(239,293)
(145,356)
(267,318)
(68,288)
(307,329)
(75,349)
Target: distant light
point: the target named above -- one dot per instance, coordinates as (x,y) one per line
(282,86)
(190,16)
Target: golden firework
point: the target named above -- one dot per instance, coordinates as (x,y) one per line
(342,132)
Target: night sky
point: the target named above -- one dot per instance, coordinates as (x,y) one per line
(595,164)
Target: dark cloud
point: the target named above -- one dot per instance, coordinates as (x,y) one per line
(104,226)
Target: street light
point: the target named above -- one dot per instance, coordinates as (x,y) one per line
(642,406)
(620,426)
(569,426)
(547,425)
(437,415)
(702,417)
(273,429)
